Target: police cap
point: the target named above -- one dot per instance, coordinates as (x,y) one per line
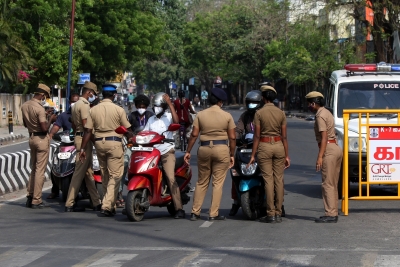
(219,93)
(44,87)
(92,86)
(267,87)
(109,87)
(314,94)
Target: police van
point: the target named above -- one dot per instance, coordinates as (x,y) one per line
(362,86)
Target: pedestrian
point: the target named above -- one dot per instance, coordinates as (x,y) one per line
(329,156)
(131,98)
(159,123)
(270,144)
(184,110)
(63,121)
(245,125)
(83,170)
(34,118)
(106,117)
(214,156)
(196,100)
(204,98)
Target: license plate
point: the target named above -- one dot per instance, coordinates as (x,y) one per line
(64,155)
(142,148)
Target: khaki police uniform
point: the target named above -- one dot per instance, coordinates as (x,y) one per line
(213,156)
(33,114)
(83,170)
(106,117)
(331,160)
(271,155)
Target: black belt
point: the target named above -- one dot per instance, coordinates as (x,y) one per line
(111,138)
(215,142)
(79,133)
(38,133)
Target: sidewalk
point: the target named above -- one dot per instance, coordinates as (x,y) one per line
(20,133)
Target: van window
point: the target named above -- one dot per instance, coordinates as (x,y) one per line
(331,96)
(368,95)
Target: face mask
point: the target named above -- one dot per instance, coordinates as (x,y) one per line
(311,108)
(115,99)
(72,104)
(222,105)
(158,110)
(141,111)
(43,102)
(92,98)
(252,105)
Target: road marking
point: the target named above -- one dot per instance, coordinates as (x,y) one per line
(368,259)
(188,258)
(93,258)
(387,260)
(205,259)
(23,258)
(296,260)
(114,260)
(206,224)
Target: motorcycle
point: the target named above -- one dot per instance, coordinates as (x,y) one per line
(63,161)
(248,181)
(147,184)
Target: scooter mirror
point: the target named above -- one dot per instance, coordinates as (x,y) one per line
(173,127)
(121,130)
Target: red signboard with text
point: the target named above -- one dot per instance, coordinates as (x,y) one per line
(384,154)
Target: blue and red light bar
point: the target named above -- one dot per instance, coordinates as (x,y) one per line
(379,67)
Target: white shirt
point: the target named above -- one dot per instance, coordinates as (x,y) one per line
(160,126)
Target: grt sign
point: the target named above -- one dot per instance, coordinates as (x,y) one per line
(384,154)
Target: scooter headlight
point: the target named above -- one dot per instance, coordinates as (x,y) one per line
(250,170)
(144,139)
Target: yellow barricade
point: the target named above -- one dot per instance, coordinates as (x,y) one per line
(381,148)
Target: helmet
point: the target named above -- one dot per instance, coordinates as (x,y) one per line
(158,100)
(253,97)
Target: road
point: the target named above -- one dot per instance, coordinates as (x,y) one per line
(367,237)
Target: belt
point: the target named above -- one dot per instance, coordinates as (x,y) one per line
(268,139)
(329,142)
(38,133)
(111,138)
(79,133)
(215,142)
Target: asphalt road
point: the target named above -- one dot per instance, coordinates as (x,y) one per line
(367,237)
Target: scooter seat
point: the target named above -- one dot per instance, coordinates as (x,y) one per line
(179,159)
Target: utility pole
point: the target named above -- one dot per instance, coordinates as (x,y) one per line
(71,43)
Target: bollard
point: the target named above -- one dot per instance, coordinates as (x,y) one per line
(10,122)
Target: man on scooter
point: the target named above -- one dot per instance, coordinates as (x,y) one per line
(244,126)
(159,123)
(139,118)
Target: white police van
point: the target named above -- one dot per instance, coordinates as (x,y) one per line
(362,86)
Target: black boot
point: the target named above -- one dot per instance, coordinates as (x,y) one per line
(234,209)
(283,211)
(28,203)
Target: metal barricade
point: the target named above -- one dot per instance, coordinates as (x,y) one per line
(382,147)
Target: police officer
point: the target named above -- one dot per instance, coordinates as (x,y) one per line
(34,118)
(105,118)
(329,157)
(63,121)
(271,146)
(83,170)
(214,156)
(245,125)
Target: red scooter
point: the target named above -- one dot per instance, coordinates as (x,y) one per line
(147,185)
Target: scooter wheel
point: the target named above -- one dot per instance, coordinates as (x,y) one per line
(133,210)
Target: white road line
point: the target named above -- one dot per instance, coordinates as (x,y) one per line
(206,224)
(206,259)
(23,258)
(296,260)
(93,258)
(114,260)
(387,261)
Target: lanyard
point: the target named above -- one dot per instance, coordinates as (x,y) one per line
(142,120)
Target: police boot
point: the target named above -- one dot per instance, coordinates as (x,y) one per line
(28,203)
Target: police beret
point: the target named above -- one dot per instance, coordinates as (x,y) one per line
(92,86)
(314,94)
(44,88)
(267,87)
(109,87)
(219,93)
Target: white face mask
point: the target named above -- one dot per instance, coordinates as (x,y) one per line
(92,98)
(72,104)
(252,105)
(141,111)
(43,102)
(115,99)
(158,110)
